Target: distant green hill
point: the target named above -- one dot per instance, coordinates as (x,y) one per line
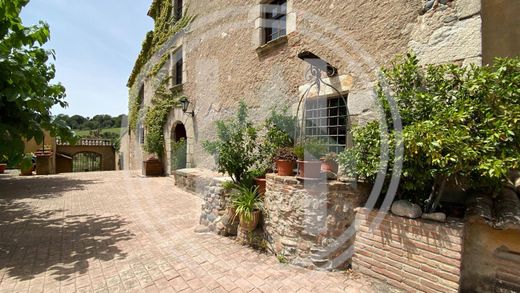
(85,133)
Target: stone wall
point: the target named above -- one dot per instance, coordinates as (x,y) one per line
(310,222)
(208,185)
(449,33)
(222,65)
(414,255)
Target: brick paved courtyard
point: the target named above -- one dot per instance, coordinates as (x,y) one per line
(117,232)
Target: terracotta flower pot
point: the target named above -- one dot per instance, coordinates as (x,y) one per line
(329,167)
(261,183)
(285,168)
(310,169)
(27,172)
(250,226)
(232,214)
(2,168)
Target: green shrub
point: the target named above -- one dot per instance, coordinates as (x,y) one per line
(281,130)
(310,149)
(457,122)
(235,146)
(246,201)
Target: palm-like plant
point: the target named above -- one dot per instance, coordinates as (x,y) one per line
(246,201)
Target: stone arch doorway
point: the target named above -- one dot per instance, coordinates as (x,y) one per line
(86,162)
(179,147)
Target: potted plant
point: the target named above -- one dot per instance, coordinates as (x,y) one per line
(248,205)
(285,158)
(259,177)
(27,164)
(329,163)
(308,154)
(3,163)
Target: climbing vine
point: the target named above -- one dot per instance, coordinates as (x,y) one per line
(134,107)
(156,118)
(166,25)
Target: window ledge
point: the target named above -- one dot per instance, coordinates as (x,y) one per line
(271,46)
(176,87)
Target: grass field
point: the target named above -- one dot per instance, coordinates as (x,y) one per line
(110,130)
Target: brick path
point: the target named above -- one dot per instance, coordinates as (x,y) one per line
(117,232)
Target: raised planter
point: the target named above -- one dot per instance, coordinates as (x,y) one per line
(152,167)
(309,221)
(409,254)
(43,162)
(309,169)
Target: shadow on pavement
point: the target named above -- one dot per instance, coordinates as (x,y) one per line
(34,240)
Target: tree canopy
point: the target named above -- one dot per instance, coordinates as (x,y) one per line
(458,122)
(27,93)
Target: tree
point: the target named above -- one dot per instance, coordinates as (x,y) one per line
(458,122)
(26,92)
(234,148)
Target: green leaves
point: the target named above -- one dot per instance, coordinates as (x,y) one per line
(235,145)
(457,121)
(26,92)
(156,118)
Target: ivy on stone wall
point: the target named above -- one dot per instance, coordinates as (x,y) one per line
(166,26)
(157,116)
(133,113)
(159,65)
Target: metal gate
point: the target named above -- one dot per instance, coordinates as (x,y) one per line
(178,154)
(86,162)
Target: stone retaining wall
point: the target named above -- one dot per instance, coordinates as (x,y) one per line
(309,223)
(208,186)
(414,255)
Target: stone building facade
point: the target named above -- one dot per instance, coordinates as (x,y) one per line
(225,58)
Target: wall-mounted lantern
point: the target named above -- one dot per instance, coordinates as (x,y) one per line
(185,103)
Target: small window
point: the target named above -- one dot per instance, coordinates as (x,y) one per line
(326,119)
(141,95)
(178,9)
(275,20)
(140,134)
(177,67)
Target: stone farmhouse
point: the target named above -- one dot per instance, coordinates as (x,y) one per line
(220,52)
(217,53)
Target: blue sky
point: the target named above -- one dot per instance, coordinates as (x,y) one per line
(96,44)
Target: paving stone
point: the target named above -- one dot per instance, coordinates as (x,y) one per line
(117,232)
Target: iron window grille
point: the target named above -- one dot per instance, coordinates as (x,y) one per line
(326,120)
(275,20)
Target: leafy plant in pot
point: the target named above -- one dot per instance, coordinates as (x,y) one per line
(329,163)
(27,164)
(3,163)
(308,154)
(259,178)
(285,158)
(248,206)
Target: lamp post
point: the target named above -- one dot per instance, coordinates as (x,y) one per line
(185,103)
